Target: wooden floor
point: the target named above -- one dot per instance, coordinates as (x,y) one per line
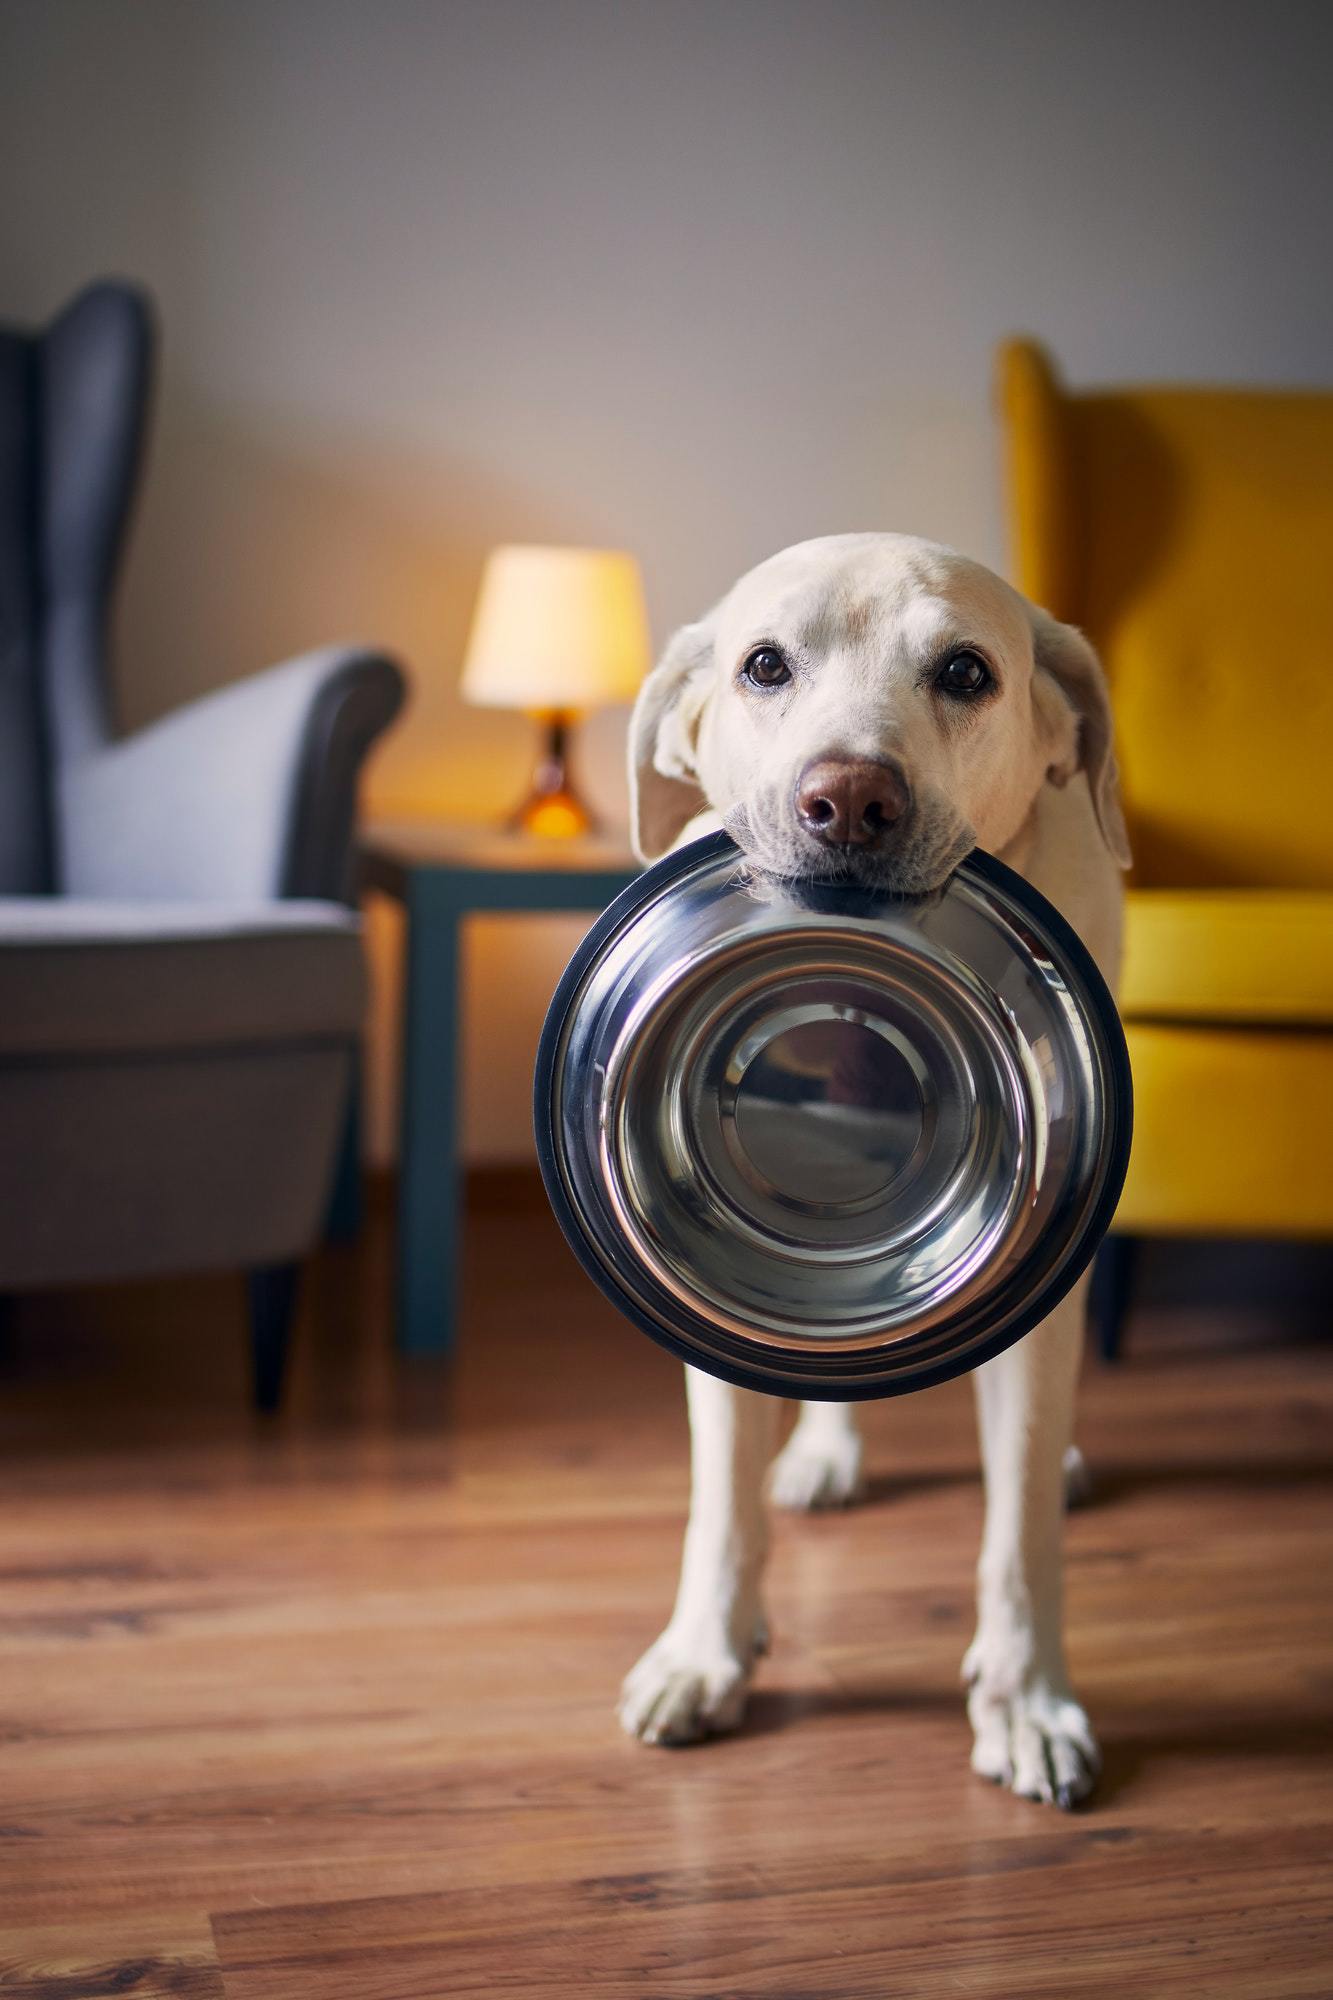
(324,1707)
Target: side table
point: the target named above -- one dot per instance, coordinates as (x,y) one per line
(443,873)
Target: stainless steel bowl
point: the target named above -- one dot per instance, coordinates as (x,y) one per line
(826,1142)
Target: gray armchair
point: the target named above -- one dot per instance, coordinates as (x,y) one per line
(181,975)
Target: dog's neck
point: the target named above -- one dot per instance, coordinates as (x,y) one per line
(1059,849)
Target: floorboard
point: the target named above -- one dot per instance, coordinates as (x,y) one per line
(322,1706)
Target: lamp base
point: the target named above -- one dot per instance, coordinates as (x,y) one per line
(552,809)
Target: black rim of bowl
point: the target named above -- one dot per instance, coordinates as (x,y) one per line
(1120,1107)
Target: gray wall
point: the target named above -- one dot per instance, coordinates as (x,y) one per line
(696,279)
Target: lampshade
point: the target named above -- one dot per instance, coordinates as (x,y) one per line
(557,629)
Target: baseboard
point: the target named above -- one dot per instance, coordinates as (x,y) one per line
(509,1185)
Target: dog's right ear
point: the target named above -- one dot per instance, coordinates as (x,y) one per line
(664,787)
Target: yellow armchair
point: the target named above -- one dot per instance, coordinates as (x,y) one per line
(1190,533)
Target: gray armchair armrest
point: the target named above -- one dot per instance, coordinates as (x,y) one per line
(248,793)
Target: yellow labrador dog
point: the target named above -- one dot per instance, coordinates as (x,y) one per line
(871,707)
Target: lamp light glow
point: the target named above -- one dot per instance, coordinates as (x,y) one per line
(556,631)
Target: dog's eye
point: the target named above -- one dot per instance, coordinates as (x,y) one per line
(965,674)
(766,668)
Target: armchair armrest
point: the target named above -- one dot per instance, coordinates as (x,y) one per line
(247,793)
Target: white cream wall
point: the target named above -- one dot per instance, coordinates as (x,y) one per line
(699,279)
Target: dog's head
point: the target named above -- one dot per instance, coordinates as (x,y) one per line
(869,707)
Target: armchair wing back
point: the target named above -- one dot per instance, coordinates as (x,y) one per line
(73,400)
(1188,531)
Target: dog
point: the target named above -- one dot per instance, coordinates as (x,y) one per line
(870,708)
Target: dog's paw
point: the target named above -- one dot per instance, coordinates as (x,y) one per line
(813,1472)
(1078,1479)
(1037,1741)
(686,1687)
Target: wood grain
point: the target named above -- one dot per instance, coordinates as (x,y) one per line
(323,1707)
(146,1956)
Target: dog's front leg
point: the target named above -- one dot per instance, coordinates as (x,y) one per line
(1029,1731)
(820,1464)
(693,1680)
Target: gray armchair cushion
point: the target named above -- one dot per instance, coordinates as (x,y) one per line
(171,1080)
(118,978)
(124,1167)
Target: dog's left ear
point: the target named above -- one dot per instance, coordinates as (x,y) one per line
(1074,716)
(665,793)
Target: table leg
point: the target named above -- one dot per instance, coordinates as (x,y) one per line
(429,1237)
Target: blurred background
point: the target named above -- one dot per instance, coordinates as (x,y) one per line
(312,1692)
(692,280)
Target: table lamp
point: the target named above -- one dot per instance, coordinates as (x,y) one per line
(556,632)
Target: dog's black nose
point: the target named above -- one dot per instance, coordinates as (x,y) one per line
(851,802)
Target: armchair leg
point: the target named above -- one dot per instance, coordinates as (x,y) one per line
(1112,1279)
(272,1308)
